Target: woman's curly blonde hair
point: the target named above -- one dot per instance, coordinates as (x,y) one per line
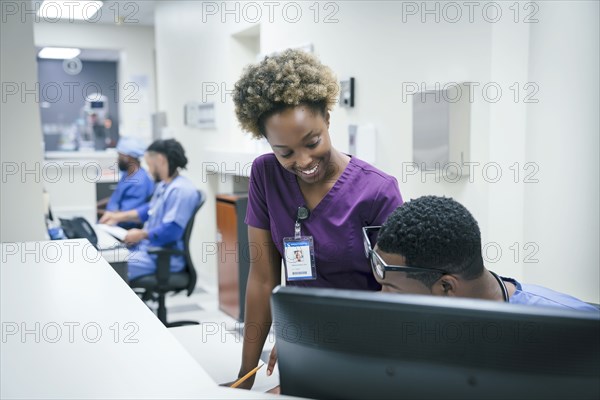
(288,79)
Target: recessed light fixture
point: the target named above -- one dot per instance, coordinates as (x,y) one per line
(59,53)
(54,10)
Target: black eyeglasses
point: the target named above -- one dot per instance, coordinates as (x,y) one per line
(378,265)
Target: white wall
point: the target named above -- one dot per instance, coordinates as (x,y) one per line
(215,60)
(507,133)
(561,211)
(136,45)
(192,56)
(22,215)
(22,142)
(372,42)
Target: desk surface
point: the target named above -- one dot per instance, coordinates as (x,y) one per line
(209,342)
(72,328)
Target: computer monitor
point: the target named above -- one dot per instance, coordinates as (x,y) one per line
(355,345)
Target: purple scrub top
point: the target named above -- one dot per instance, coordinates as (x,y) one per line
(362,196)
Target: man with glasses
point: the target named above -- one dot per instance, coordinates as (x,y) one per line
(432,245)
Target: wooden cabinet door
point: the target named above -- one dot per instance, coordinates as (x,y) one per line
(228,268)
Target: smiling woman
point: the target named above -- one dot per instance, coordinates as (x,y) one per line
(287,99)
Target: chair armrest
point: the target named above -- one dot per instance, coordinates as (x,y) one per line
(163,263)
(164,250)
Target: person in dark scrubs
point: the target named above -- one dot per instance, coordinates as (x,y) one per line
(306,195)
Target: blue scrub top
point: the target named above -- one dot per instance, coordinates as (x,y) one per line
(540,296)
(132,191)
(171,203)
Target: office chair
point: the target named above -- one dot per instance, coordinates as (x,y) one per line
(165,281)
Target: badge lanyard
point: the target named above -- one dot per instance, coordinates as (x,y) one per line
(299,251)
(301,215)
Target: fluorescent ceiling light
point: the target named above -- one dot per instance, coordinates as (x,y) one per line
(60,53)
(54,10)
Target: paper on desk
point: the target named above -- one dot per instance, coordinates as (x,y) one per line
(115,231)
(264,383)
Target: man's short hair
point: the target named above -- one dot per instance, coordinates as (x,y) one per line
(434,232)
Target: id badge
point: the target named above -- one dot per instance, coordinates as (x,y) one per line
(299,258)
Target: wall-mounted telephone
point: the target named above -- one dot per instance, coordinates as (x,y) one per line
(79,228)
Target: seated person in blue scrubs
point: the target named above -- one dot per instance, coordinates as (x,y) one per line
(135,186)
(432,245)
(167,214)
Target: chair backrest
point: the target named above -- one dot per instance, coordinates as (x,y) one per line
(191,270)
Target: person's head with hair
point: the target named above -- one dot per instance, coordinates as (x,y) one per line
(165,158)
(440,240)
(286,98)
(129,150)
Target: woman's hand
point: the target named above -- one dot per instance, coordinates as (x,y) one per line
(272,361)
(247,384)
(275,390)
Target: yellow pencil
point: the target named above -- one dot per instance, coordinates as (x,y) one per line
(248,375)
